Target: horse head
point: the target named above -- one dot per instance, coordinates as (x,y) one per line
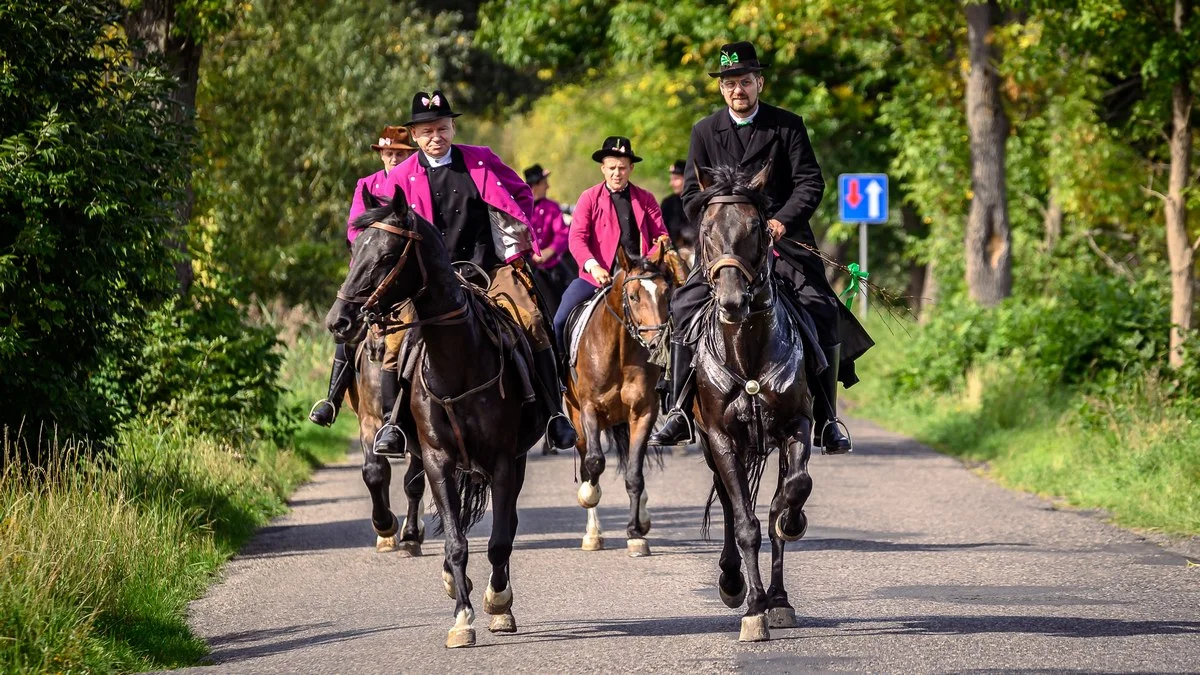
(386,267)
(734,245)
(642,290)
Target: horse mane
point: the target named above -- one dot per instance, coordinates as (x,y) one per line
(382,213)
(726,180)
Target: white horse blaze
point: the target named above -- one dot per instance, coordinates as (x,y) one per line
(651,289)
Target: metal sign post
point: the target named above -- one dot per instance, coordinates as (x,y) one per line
(863,199)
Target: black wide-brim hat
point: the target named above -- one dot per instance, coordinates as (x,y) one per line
(430,107)
(615,146)
(536,174)
(738,58)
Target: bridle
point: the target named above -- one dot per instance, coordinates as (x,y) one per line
(630,324)
(391,317)
(756,274)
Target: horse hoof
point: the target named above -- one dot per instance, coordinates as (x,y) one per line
(448,584)
(781,617)
(791,537)
(496,603)
(593,542)
(413,549)
(735,600)
(638,548)
(503,623)
(588,495)
(385,544)
(460,637)
(754,629)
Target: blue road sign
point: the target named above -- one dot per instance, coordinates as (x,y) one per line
(863,198)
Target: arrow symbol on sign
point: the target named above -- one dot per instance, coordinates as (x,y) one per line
(873,192)
(853,198)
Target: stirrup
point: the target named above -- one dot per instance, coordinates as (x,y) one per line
(550,421)
(403,448)
(842,425)
(318,404)
(691,431)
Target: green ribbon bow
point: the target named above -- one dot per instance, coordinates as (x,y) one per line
(857,276)
(728,59)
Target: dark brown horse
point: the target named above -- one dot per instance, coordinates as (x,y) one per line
(612,386)
(752,396)
(471,418)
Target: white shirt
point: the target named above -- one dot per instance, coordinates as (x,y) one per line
(444,160)
(749,118)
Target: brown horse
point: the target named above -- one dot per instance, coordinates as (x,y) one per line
(612,386)
(475,418)
(752,396)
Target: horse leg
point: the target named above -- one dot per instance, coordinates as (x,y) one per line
(497,600)
(377,474)
(731,584)
(635,485)
(454,567)
(788,521)
(412,533)
(748,535)
(591,467)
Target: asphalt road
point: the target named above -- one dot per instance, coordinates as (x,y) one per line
(912,563)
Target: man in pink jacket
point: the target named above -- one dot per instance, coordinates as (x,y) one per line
(551,231)
(611,214)
(482,207)
(393,148)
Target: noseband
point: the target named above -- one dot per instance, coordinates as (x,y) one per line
(755,273)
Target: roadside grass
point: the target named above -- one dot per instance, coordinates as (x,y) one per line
(1134,453)
(100,556)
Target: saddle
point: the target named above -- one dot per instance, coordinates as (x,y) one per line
(578,318)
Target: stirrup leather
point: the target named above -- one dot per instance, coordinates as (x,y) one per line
(845,430)
(403,452)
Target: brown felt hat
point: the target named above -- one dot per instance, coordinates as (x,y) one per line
(393,138)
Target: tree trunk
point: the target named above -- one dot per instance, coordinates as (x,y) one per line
(911,221)
(149,29)
(931,291)
(1052,223)
(988,238)
(1179,245)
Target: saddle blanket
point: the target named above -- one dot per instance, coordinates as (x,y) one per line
(578,318)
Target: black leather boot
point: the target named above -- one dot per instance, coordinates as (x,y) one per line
(678,428)
(830,436)
(325,411)
(390,440)
(559,430)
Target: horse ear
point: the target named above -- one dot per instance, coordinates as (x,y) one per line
(623,258)
(759,181)
(677,267)
(702,178)
(399,202)
(368,199)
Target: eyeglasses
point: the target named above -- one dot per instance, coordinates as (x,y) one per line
(746,83)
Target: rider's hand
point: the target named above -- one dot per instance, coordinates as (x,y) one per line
(600,274)
(776,229)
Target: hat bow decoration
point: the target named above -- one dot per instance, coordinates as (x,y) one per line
(728,59)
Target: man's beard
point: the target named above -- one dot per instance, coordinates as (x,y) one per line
(742,105)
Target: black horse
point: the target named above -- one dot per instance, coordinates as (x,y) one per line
(472,416)
(752,396)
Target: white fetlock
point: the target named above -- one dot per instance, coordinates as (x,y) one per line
(588,495)
(593,538)
(462,634)
(754,629)
(497,602)
(781,617)
(638,548)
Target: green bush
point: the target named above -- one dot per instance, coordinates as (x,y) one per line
(90,170)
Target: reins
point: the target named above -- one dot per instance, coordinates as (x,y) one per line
(627,321)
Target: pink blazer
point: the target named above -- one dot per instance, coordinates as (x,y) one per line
(375,184)
(498,185)
(550,230)
(596,232)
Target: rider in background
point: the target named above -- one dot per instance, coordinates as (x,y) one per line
(613,213)
(550,267)
(682,232)
(481,207)
(748,133)
(393,147)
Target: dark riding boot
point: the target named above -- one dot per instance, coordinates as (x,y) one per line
(559,430)
(678,427)
(325,411)
(390,440)
(831,438)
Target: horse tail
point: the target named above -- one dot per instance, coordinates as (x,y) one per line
(712,497)
(473,503)
(618,437)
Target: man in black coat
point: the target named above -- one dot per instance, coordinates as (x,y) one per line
(748,133)
(681,231)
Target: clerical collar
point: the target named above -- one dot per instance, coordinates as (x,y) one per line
(742,121)
(439,162)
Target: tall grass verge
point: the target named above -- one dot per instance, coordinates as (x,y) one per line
(1131,450)
(99,554)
